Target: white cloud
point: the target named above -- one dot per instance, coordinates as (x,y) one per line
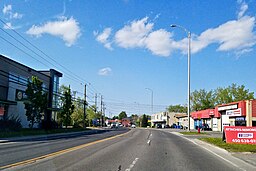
(243,9)
(16,15)
(67,29)
(7,10)
(159,43)
(235,35)
(8,26)
(232,35)
(105,71)
(134,34)
(104,38)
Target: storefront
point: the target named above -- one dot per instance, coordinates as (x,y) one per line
(233,114)
(203,119)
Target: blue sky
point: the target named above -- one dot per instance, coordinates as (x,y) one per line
(121,47)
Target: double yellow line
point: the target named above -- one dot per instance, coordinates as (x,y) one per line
(59,152)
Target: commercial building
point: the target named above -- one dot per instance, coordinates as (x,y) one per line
(168,118)
(241,113)
(14,77)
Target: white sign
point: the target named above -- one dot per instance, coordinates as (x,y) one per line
(236,112)
(245,135)
(234,106)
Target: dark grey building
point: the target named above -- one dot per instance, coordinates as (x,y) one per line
(13,83)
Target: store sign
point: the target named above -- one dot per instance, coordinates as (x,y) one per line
(240,134)
(221,108)
(236,112)
(20,95)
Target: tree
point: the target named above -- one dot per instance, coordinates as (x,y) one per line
(67,108)
(201,100)
(122,115)
(144,121)
(36,102)
(232,93)
(78,113)
(115,117)
(91,114)
(177,108)
(135,117)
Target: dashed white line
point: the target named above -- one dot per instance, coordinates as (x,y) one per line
(132,165)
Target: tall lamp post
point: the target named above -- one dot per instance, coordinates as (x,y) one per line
(151,100)
(189,37)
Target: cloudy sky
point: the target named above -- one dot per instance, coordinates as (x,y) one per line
(121,47)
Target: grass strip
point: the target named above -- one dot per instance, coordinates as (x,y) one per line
(193,133)
(230,146)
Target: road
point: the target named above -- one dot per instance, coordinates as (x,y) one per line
(138,150)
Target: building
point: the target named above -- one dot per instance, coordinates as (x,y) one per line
(126,122)
(241,113)
(13,83)
(167,118)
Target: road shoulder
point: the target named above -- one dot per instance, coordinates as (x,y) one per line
(237,160)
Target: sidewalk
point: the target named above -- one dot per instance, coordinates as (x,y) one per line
(54,136)
(247,157)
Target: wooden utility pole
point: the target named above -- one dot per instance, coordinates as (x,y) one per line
(85,106)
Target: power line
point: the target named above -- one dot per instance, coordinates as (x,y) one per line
(62,66)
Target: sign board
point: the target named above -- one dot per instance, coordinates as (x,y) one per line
(240,134)
(221,108)
(20,95)
(235,112)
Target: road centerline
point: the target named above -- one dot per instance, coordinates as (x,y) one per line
(54,154)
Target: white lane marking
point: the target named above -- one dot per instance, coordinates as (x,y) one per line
(4,143)
(132,165)
(151,135)
(181,135)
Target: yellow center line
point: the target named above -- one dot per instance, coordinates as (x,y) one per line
(60,152)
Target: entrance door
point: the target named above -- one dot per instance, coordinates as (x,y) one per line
(225,121)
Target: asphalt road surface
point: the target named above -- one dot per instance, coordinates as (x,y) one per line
(138,150)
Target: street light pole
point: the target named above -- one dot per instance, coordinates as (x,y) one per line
(151,100)
(189,51)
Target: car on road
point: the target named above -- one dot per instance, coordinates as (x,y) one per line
(133,126)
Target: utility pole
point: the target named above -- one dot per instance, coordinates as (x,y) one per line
(104,108)
(101,110)
(95,110)
(85,105)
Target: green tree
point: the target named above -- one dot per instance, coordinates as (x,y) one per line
(177,108)
(91,114)
(232,93)
(201,100)
(67,108)
(115,117)
(144,121)
(36,103)
(122,115)
(78,113)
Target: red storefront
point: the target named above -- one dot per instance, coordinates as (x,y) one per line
(203,118)
(241,113)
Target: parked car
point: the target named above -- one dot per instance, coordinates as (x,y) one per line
(167,126)
(133,126)
(173,125)
(159,126)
